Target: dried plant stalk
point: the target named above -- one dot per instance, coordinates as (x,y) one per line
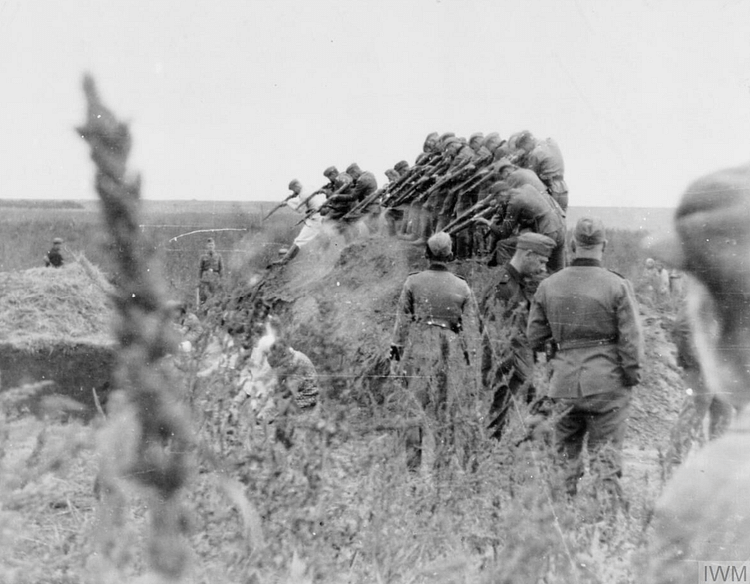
(155,455)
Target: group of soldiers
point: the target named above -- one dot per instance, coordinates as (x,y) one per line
(482,191)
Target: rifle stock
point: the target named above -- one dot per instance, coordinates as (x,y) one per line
(279,206)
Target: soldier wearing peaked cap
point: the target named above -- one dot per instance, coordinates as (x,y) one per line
(701,514)
(434,308)
(592,317)
(507,364)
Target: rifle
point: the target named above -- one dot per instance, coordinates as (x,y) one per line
(311,212)
(456,226)
(418,186)
(460,172)
(279,206)
(470,214)
(408,179)
(363,204)
(475,181)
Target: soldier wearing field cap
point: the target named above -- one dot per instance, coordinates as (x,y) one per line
(507,364)
(53,257)
(591,316)
(701,516)
(429,342)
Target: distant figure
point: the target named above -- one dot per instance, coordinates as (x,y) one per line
(53,257)
(309,205)
(210,271)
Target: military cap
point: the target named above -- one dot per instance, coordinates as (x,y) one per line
(712,237)
(491,140)
(353,168)
(401,166)
(589,232)
(451,141)
(331,170)
(57,240)
(522,137)
(446,136)
(440,245)
(476,136)
(536,242)
(293,183)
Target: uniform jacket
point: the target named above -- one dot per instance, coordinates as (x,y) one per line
(592,315)
(508,300)
(526,176)
(211,266)
(434,296)
(364,186)
(527,208)
(547,161)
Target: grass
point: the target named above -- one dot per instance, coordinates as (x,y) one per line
(316,498)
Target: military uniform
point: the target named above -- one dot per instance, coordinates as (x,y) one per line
(529,210)
(547,161)
(209,275)
(428,334)
(507,363)
(592,316)
(53,257)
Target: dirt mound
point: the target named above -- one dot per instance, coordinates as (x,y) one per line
(340,309)
(45,307)
(54,325)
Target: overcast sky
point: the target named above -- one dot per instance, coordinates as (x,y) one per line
(230,100)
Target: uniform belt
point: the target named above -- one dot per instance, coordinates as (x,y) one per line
(586,343)
(454,328)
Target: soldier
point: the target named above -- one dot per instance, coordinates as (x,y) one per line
(701,514)
(309,204)
(53,257)
(428,339)
(526,209)
(330,173)
(545,158)
(505,306)
(430,146)
(365,183)
(209,271)
(592,316)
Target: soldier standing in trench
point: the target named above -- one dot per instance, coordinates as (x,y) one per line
(592,316)
(505,307)
(429,341)
(209,272)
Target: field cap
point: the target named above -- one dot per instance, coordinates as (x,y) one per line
(536,242)
(293,183)
(331,170)
(492,140)
(57,240)
(353,167)
(712,224)
(401,166)
(589,232)
(440,245)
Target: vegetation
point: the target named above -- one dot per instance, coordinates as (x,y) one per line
(322,497)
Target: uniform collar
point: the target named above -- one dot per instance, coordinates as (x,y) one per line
(438,267)
(587,262)
(513,272)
